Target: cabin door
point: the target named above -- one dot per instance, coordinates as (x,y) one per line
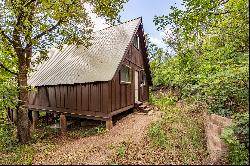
(136,86)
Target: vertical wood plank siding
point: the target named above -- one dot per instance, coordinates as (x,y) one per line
(79,98)
(94,99)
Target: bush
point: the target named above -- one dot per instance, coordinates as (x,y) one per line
(7,137)
(237,138)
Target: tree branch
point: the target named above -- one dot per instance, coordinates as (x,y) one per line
(225,12)
(5,36)
(8,70)
(49,30)
(224,2)
(28,3)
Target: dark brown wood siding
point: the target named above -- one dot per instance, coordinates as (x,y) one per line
(122,94)
(87,99)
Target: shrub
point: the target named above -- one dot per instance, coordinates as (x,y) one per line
(7,137)
(237,137)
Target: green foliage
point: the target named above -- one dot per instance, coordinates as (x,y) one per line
(157,134)
(7,137)
(237,137)
(211,61)
(69,18)
(8,98)
(238,155)
(100,129)
(161,100)
(46,133)
(12,152)
(121,150)
(179,131)
(22,155)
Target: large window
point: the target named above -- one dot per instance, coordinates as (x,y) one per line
(136,41)
(125,74)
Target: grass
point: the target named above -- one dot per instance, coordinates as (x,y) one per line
(121,151)
(19,155)
(180,129)
(176,138)
(44,140)
(15,153)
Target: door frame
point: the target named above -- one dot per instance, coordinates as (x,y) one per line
(136,91)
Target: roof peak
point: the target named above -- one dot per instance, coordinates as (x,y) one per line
(119,24)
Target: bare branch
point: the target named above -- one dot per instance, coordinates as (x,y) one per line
(8,70)
(5,36)
(49,30)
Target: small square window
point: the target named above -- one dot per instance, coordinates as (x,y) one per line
(136,41)
(125,74)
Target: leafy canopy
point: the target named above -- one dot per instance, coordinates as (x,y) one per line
(41,24)
(211,62)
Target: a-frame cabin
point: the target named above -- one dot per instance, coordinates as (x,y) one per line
(97,82)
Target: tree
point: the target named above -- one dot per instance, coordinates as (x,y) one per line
(212,62)
(212,51)
(28,27)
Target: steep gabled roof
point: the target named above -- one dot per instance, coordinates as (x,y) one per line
(78,64)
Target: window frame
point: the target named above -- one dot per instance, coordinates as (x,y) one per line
(143,78)
(130,75)
(138,42)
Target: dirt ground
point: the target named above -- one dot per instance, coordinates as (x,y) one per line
(99,149)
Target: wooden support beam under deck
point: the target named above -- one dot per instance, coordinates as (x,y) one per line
(109,123)
(35,117)
(63,123)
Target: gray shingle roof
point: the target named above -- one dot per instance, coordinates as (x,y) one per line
(80,64)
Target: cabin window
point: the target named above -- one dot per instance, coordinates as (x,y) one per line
(143,78)
(136,42)
(125,74)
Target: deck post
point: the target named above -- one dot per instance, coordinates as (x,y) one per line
(35,117)
(63,123)
(109,123)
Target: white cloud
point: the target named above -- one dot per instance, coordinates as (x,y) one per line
(99,23)
(163,35)
(157,41)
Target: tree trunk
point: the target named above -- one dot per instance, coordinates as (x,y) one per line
(23,122)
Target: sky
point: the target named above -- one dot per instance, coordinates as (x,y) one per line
(146,9)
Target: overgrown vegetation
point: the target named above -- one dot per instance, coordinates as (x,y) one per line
(44,139)
(180,129)
(176,138)
(237,137)
(209,62)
